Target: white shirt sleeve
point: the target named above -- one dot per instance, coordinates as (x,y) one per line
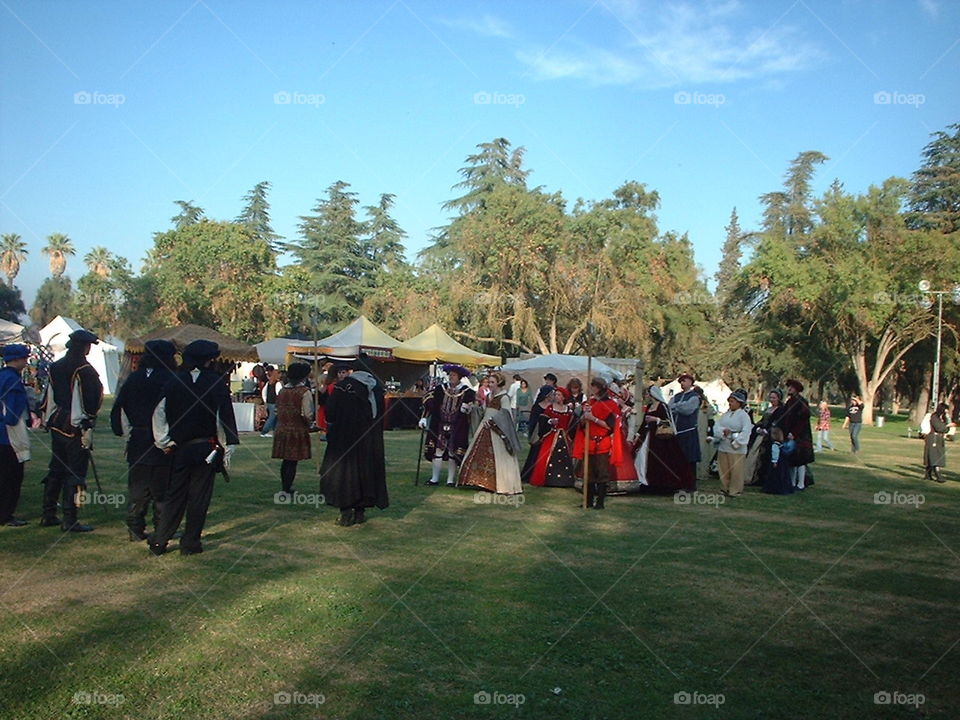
(161,429)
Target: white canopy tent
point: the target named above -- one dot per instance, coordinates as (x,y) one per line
(104,356)
(11,332)
(563,366)
(716,391)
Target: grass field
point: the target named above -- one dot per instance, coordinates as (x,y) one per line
(804,606)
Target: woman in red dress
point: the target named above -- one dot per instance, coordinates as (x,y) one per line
(549,463)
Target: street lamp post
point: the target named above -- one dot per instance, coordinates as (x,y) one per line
(924,287)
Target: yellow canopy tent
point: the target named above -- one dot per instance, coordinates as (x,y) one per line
(434,345)
(359,336)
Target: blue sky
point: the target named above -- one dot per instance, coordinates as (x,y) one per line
(110,111)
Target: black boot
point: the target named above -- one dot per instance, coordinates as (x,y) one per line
(937,476)
(601,496)
(359,516)
(345,519)
(591,491)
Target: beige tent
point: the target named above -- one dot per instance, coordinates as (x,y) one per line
(231,349)
(434,345)
(359,336)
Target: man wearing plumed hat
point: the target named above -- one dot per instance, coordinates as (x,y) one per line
(132,415)
(69,410)
(447,422)
(194,423)
(14,439)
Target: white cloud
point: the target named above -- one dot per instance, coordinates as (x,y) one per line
(488,26)
(931,8)
(679,44)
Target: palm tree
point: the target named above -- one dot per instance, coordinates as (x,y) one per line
(13,251)
(99,260)
(58,247)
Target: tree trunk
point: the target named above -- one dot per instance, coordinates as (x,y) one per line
(920,403)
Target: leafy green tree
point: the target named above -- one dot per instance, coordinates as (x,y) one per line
(256,215)
(58,248)
(11,303)
(98,261)
(215,274)
(53,298)
(13,252)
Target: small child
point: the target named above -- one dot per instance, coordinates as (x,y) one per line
(777,480)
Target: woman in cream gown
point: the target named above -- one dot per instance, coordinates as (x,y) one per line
(491,460)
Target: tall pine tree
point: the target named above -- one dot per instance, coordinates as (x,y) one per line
(730,260)
(256,215)
(332,252)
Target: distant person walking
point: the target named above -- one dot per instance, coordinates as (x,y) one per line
(934,444)
(823,426)
(854,422)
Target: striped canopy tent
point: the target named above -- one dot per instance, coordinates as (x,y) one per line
(434,345)
(231,349)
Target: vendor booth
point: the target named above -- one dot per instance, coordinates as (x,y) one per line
(232,351)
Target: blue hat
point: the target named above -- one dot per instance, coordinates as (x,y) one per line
(15,352)
(160,349)
(201,350)
(82,337)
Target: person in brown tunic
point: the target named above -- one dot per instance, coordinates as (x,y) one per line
(295,420)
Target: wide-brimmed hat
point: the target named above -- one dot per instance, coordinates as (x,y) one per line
(201,350)
(160,349)
(15,351)
(681,376)
(740,395)
(795,384)
(81,337)
(460,370)
(297,372)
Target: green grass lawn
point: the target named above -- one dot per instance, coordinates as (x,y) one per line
(803,606)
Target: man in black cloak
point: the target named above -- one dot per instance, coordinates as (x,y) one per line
(353,475)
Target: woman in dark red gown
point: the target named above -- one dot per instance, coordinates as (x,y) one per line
(549,463)
(660,463)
